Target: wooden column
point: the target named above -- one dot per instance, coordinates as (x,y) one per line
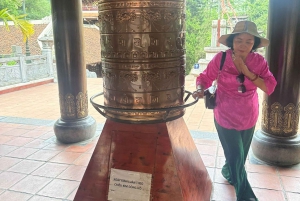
(74,125)
(278,142)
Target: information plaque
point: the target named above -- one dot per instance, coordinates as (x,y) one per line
(128,185)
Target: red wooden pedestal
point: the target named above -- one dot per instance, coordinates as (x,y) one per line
(165,150)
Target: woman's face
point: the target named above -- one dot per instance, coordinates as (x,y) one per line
(242,44)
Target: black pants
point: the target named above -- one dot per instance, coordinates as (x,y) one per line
(236,145)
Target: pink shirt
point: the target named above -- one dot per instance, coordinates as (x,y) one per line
(236,110)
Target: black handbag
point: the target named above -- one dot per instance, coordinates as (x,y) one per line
(211,92)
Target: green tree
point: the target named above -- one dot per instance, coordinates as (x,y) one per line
(35,9)
(199,16)
(25,26)
(11,5)
(257,11)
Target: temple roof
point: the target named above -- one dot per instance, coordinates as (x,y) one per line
(14,37)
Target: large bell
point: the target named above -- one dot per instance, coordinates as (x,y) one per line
(143,59)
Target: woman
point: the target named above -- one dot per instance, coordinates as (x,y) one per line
(236,112)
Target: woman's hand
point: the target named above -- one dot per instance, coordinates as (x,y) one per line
(240,65)
(198,94)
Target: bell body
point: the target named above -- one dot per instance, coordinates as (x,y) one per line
(143,59)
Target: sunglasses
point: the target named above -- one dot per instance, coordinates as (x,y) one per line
(241,78)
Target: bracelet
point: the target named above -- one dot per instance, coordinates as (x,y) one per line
(252,80)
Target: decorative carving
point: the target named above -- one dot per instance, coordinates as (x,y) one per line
(283,120)
(265,116)
(153,41)
(82,105)
(69,106)
(150,15)
(129,77)
(154,99)
(139,100)
(125,16)
(71,110)
(150,76)
(143,66)
(124,100)
(143,54)
(297,117)
(141,4)
(276,118)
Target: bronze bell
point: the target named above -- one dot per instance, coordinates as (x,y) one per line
(143,59)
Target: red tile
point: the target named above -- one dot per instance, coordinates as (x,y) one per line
(6,162)
(42,198)
(8,179)
(5,138)
(79,148)
(223,192)
(290,172)
(8,125)
(26,166)
(19,141)
(221,151)
(209,161)
(73,173)
(220,162)
(47,135)
(5,129)
(28,127)
(14,196)
(291,184)
(59,188)
(5,149)
(211,172)
(37,143)
(207,149)
(31,184)
(16,132)
(90,151)
(265,181)
(45,128)
(56,146)
(72,195)
(83,160)
(50,170)
(65,157)
(43,155)
(264,169)
(22,152)
(219,178)
(268,195)
(206,142)
(33,133)
(293,196)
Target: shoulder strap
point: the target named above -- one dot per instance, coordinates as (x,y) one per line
(221,66)
(222,60)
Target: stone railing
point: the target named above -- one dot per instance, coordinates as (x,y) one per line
(24,69)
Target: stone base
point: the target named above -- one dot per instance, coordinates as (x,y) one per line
(76,130)
(164,150)
(276,151)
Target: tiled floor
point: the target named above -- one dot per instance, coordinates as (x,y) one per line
(36,167)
